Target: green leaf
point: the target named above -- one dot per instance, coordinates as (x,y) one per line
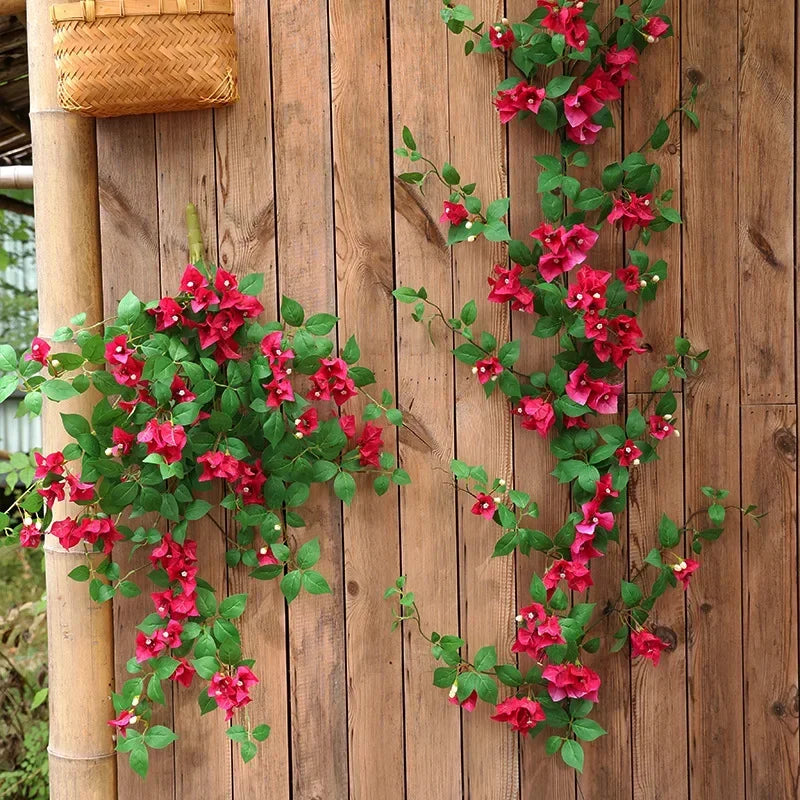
(559,85)
(128,309)
(314,583)
(485,659)
(197,509)
(351,352)
(8,384)
(139,759)
(56,389)
(290,584)
(668,533)
(631,594)
(508,674)
(261,732)
(572,754)
(233,606)
(159,737)
(660,134)
(8,358)
(39,698)
(612,177)
(292,312)
(408,139)
(248,751)
(206,666)
(547,116)
(80,573)
(321,324)
(450,175)
(308,554)
(344,486)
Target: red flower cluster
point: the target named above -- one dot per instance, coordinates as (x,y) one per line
(232,692)
(593,392)
(536,632)
(521,713)
(501,37)
(180,563)
(370,444)
(566,20)
(589,292)
(165,438)
(331,381)
(507,287)
(634,211)
(577,576)
(614,339)
(644,643)
(523,97)
(38,352)
(571,680)
(279,389)
(536,414)
(484,506)
(454,213)
(564,249)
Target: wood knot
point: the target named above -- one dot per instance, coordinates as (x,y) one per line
(785,442)
(353,588)
(667,635)
(779,709)
(672,148)
(706,607)
(695,75)
(763,247)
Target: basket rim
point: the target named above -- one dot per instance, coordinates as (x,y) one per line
(89,10)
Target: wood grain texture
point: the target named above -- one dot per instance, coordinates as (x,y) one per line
(129,236)
(302,119)
(185,158)
(710,57)
(488,591)
(765,228)
(246,243)
(769,472)
(426,394)
(364,271)
(658,694)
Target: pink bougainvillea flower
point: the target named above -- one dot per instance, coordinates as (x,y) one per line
(168,313)
(566,20)
(166,439)
(604,489)
(577,576)
(585,133)
(532,614)
(171,635)
(592,517)
(533,639)
(578,386)
(67,532)
(331,381)
(225,281)
(38,352)
(552,265)
(580,239)
(507,287)
(174,606)
(99,529)
(521,713)
(595,327)
(484,506)
(655,27)
(636,210)
(30,535)
(247,305)
(370,444)
(628,453)
(683,570)
(604,398)
(129,373)
(52,493)
(468,703)
(184,673)
(501,37)
(619,63)
(231,692)
(581,105)
(49,464)
(589,291)
(630,277)
(647,644)
(124,721)
(522,97)
(148,646)
(347,422)
(535,414)
(602,85)
(122,441)
(181,393)
(582,548)
(80,492)
(307,422)
(266,557)
(272,347)
(454,213)
(571,680)
(251,482)
(117,350)
(192,280)
(487,369)
(279,390)
(218,465)
(660,428)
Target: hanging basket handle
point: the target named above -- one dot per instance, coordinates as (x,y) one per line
(90,10)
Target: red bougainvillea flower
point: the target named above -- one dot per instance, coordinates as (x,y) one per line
(219,329)
(184,673)
(166,439)
(468,703)
(579,238)
(370,444)
(39,351)
(487,369)
(534,638)
(602,85)
(597,394)
(251,482)
(628,454)
(655,27)
(192,280)
(45,465)
(571,680)
(521,713)
(535,414)
(129,373)
(30,534)
(266,557)
(589,292)
(307,422)
(67,532)
(502,37)
(124,721)
(171,635)
(619,63)
(168,313)
(331,381)
(279,390)
(245,304)
(180,391)
(148,646)
(532,614)
(102,529)
(225,281)
(142,396)
(660,427)
(604,489)
(117,350)
(80,492)
(585,133)
(122,442)
(577,576)
(522,97)
(174,606)
(683,570)
(648,645)
(52,493)
(582,548)
(231,692)
(552,265)
(581,105)
(595,326)
(218,465)
(272,347)
(454,213)
(630,277)
(347,422)
(566,20)
(507,287)
(592,517)
(632,212)
(484,506)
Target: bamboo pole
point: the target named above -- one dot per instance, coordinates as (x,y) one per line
(82,762)
(12,8)
(16,177)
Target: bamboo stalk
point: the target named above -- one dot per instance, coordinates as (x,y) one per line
(12,8)
(82,762)
(16,177)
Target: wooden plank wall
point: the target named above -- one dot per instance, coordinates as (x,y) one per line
(298,181)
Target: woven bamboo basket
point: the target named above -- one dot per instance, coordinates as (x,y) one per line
(118,57)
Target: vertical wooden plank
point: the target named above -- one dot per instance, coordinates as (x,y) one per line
(658,694)
(304,192)
(126,165)
(766,232)
(710,55)
(769,473)
(425,375)
(185,157)
(362,198)
(246,235)
(532,457)
(483,428)
(607,771)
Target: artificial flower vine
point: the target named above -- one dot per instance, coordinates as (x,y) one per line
(195,392)
(593,314)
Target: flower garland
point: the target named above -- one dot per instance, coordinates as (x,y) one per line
(593,314)
(195,392)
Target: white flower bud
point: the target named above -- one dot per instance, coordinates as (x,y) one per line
(496,499)
(133,720)
(677,433)
(651,39)
(135,701)
(668,417)
(636,462)
(519,617)
(263,551)
(504,21)
(454,689)
(109,451)
(27,521)
(297,421)
(55,362)
(298,435)
(655,279)
(494,377)
(470,238)
(643,283)
(468,224)
(502,481)
(474,370)
(276,527)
